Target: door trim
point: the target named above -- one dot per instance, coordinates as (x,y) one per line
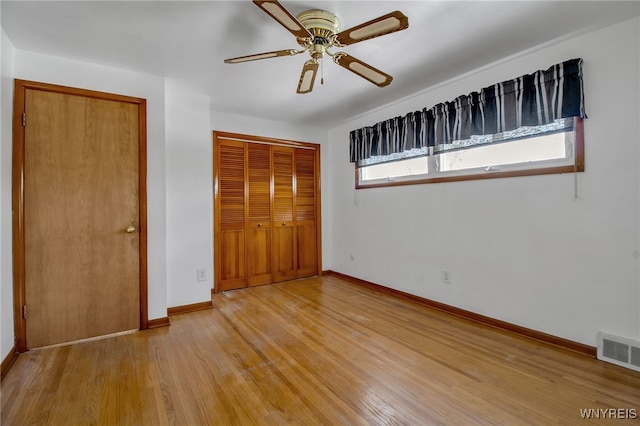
(17,189)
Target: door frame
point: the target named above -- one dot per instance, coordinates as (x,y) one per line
(17,189)
(216,134)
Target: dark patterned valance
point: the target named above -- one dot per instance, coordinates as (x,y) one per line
(531,100)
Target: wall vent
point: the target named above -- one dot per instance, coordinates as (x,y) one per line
(619,350)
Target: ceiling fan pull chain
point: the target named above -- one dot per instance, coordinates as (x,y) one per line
(322,70)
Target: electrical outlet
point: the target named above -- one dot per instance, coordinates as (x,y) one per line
(446,276)
(201,275)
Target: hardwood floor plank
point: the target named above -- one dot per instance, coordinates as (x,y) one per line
(314,351)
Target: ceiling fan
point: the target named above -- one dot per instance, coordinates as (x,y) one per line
(317,31)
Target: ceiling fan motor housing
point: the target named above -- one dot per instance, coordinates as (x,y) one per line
(322,25)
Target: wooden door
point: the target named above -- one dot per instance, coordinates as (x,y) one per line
(305,208)
(283,247)
(266,216)
(259,214)
(230,244)
(81,193)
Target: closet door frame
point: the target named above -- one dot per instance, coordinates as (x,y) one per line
(219,136)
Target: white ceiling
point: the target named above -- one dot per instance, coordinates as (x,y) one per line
(190,40)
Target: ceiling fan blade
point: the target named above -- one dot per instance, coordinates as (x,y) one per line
(385,24)
(308,76)
(278,12)
(363,69)
(266,55)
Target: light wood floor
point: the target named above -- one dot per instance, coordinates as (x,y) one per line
(318,351)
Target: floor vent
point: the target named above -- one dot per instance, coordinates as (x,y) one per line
(619,350)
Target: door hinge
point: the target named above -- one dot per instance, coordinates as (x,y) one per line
(24,119)
(24,311)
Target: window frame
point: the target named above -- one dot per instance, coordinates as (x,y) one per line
(577,166)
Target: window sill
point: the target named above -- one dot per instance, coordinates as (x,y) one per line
(489,175)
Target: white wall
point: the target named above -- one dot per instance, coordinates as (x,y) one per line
(54,70)
(233,123)
(522,250)
(7,59)
(189,195)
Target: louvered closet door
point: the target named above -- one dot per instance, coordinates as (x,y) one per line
(305,207)
(231,235)
(259,214)
(266,210)
(283,247)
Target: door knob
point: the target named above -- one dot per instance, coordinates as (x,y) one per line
(130,229)
(259,225)
(284,223)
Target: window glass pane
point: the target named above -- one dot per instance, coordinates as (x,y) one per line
(541,148)
(413,166)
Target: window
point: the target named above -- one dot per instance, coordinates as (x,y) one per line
(557,147)
(525,126)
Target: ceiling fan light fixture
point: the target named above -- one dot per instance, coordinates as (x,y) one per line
(317,51)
